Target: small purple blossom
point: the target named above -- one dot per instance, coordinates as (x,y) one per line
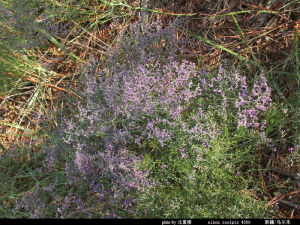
(291,150)
(182,152)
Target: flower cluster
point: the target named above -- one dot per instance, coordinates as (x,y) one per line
(252,106)
(32,203)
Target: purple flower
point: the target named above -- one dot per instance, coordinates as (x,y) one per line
(182,153)
(291,150)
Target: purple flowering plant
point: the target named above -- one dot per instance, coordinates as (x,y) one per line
(144,96)
(147,121)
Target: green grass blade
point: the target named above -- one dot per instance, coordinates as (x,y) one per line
(16,126)
(164,13)
(297,71)
(54,41)
(257,63)
(233,13)
(290,3)
(217,46)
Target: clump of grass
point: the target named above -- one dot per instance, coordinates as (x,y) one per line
(9,63)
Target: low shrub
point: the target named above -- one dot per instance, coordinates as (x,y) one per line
(155,137)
